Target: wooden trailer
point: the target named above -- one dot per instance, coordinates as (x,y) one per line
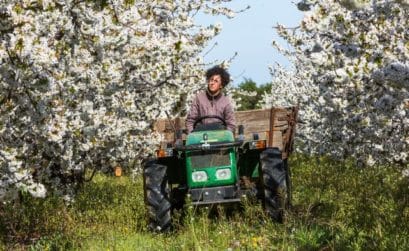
(275,125)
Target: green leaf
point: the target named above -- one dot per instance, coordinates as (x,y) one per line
(178,45)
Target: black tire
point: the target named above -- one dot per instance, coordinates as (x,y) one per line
(157,196)
(289,184)
(274,181)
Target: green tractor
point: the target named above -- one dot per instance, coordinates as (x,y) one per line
(211,167)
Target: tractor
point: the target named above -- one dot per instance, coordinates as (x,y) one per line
(212,166)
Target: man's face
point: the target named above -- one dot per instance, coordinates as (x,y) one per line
(214,84)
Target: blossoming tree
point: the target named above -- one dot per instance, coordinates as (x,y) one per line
(350,77)
(81,82)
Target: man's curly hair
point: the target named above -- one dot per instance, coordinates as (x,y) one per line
(217,70)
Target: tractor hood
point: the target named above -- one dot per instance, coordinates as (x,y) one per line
(214,136)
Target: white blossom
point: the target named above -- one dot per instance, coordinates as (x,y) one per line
(350,79)
(82,82)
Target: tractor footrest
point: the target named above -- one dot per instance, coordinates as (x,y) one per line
(222,194)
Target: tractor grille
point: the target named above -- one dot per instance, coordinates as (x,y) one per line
(210,158)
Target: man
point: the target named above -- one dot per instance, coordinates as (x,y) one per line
(212,101)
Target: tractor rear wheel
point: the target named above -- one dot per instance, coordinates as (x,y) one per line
(289,183)
(274,181)
(157,196)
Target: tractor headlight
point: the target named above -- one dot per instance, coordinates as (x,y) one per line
(223,174)
(199,176)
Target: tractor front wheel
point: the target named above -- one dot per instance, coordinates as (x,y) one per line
(157,196)
(274,180)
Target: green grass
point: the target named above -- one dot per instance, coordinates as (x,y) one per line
(336,206)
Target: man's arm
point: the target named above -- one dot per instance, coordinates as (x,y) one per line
(229,117)
(192,115)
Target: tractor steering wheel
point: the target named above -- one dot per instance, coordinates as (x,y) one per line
(209,117)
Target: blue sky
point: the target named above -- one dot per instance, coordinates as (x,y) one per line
(250,34)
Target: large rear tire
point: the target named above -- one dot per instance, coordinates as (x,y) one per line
(289,184)
(157,196)
(274,181)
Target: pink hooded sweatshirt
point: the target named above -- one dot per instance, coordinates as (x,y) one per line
(206,104)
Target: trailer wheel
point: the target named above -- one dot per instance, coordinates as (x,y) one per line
(157,196)
(274,181)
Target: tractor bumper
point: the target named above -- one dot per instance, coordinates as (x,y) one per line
(214,195)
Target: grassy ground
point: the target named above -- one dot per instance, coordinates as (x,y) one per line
(336,206)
